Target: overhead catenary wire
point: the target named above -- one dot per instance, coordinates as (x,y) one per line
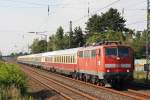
(38,4)
(110,4)
(65,6)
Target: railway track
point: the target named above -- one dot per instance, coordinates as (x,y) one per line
(97,92)
(145,96)
(66,91)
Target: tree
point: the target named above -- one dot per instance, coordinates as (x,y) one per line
(115,36)
(96,37)
(51,43)
(39,46)
(42,46)
(59,38)
(111,20)
(78,37)
(66,41)
(34,46)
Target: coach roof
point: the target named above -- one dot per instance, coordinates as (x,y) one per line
(62,52)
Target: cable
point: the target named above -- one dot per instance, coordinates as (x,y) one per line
(108,5)
(32,3)
(39,4)
(97,10)
(136,22)
(142,2)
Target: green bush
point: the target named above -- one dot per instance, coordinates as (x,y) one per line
(11,79)
(140,76)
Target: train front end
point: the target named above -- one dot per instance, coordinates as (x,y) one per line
(119,64)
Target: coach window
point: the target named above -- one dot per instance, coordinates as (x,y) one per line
(81,54)
(55,58)
(86,54)
(73,59)
(68,59)
(49,59)
(61,59)
(65,59)
(93,53)
(58,58)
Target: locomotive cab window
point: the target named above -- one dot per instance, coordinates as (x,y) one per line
(111,51)
(120,51)
(123,52)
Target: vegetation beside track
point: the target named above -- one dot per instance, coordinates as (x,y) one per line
(140,76)
(12,81)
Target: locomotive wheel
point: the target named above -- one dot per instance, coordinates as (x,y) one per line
(74,75)
(85,78)
(92,79)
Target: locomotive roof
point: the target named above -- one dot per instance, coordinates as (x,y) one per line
(100,46)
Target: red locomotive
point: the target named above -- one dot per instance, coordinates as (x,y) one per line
(106,62)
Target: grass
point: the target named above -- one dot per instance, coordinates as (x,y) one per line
(12,81)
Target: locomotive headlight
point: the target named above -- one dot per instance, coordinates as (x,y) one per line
(108,70)
(128,70)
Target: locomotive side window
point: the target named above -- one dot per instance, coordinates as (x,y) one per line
(111,51)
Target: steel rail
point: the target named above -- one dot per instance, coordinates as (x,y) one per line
(100,87)
(145,95)
(69,88)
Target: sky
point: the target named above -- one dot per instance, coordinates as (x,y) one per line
(19,17)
